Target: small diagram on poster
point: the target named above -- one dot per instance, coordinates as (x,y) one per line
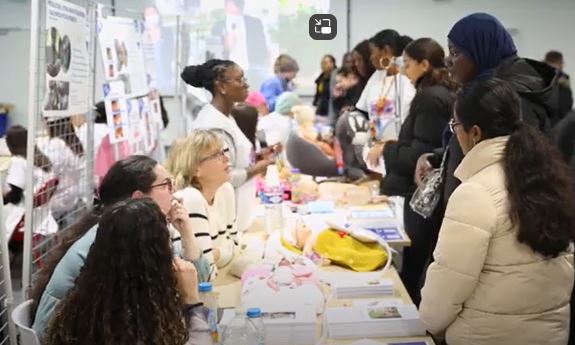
(118,120)
(67,60)
(122,53)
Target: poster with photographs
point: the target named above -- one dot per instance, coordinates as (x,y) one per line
(122,53)
(67,59)
(118,119)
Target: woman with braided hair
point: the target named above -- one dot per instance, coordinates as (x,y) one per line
(225,80)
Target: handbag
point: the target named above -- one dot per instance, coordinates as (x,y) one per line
(426,197)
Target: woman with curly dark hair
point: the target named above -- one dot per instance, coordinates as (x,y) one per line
(503,270)
(131,290)
(132,177)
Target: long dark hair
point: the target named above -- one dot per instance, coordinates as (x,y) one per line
(428,49)
(362,48)
(64,129)
(392,39)
(127,291)
(206,74)
(124,178)
(246,117)
(541,197)
(17,142)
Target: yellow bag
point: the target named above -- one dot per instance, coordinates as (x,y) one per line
(347,251)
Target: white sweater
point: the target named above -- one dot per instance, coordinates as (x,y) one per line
(214,225)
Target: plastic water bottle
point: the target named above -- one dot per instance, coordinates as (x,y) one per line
(234,333)
(208,297)
(245,329)
(272,200)
(256,328)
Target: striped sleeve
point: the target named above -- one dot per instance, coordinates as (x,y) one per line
(197,210)
(228,234)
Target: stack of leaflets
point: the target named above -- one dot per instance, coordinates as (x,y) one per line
(380,216)
(357,285)
(297,326)
(374,319)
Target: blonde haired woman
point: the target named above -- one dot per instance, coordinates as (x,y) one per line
(201,168)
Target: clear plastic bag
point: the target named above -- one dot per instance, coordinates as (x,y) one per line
(426,197)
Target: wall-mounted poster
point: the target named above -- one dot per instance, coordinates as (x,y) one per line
(122,53)
(118,119)
(67,60)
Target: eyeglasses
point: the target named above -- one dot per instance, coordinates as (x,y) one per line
(218,155)
(241,81)
(169,183)
(453,124)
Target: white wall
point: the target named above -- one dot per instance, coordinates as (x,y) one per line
(542,24)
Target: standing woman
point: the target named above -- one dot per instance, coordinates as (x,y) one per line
(322,86)
(503,270)
(224,79)
(388,93)
(421,132)
(286,69)
(361,63)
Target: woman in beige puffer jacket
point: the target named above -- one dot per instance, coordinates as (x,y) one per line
(503,270)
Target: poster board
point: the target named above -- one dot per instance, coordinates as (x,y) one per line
(67,60)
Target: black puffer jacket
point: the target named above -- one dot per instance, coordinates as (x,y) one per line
(536,84)
(421,132)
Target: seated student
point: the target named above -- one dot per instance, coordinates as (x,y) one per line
(66,152)
(15,183)
(201,166)
(133,177)
(131,289)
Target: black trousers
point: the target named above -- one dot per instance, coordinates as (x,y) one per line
(423,234)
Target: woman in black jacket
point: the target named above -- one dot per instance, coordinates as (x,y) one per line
(322,85)
(421,132)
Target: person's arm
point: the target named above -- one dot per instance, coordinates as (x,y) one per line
(430,117)
(195,206)
(228,212)
(460,254)
(14,195)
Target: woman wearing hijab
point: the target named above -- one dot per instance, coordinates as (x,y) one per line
(480,47)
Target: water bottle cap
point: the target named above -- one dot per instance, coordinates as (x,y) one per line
(254,312)
(205,287)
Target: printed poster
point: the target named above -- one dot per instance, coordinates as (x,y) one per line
(122,53)
(67,60)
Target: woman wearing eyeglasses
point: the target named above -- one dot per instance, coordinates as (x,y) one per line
(503,270)
(225,80)
(132,177)
(200,164)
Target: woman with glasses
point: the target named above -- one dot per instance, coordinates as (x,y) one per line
(503,270)
(225,80)
(133,177)
(131,289)
(200,164)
